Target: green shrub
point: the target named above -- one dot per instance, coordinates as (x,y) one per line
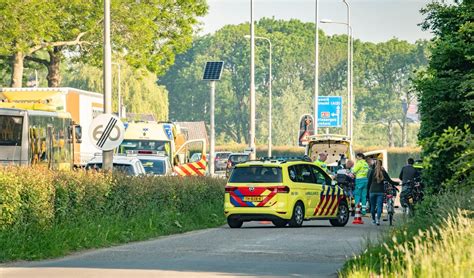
(47,214)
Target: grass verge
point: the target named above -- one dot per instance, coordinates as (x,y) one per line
(49,214)
(437,242)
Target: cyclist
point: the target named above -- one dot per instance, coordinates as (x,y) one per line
(376,189)
(407,176)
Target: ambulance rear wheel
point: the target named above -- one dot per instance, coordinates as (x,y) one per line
(342,216)
(298,215)
(234,223)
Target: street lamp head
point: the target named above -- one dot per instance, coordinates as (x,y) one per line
(247,36)
(326,21)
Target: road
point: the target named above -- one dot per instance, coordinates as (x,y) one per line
(255,250)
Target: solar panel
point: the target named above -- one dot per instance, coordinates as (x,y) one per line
(213,71)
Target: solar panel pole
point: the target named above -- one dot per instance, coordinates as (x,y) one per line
(252,85)
(213,132)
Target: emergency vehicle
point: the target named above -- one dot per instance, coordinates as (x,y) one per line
(284,192)
(165,139)
(339,149)
(81,105)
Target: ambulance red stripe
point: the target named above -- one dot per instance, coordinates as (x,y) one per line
(196,170)
(262,203)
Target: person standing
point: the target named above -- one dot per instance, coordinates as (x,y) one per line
(376,181)
(360,171)
(321,161)
(407,175)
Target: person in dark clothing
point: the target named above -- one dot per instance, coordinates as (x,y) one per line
(407,174)
(376,189)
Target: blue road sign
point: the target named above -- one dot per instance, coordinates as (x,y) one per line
(330,111)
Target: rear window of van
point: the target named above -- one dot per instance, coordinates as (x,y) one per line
(256,174)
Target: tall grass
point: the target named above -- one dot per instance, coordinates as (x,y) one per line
(443,251)
(47,214)
(437,242)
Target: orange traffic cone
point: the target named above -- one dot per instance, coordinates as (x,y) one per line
(358,216)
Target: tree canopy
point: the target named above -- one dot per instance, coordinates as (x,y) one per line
(144,33)
(381,79)
(446,95)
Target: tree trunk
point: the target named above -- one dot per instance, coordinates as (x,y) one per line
(390,134)
(54,74)
(17,69)
(404,131)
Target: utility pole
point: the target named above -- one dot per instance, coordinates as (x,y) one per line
(107,156)
(316,67)
(252,142)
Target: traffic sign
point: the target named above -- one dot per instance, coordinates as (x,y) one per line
(306,129)
(330,111)
(106,132)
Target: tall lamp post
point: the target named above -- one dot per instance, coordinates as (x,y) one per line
(107,156)
(350,51)
(316,65)
(252,145)
(269,93)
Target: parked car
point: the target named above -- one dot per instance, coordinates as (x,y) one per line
(196,157)
(221,159)
(131,166)
(234,159)
(156,165)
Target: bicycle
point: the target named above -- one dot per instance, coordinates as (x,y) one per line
(389,198)
(412,195)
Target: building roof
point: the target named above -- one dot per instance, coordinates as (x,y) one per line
(195,130)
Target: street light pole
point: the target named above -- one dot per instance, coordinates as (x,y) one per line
(252,85)
(316,66)
(107,156)
(349,76)
(269,94)
(349,71)
(119,93)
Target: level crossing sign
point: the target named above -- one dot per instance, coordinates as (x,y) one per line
(330,111)
(106,132)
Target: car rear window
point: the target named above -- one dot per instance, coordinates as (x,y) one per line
(222,155)
(256,174)
(239,158)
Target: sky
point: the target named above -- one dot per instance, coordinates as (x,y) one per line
(371,20)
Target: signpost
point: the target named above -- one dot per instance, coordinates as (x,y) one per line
(106,132)
(330,111)
(306,129)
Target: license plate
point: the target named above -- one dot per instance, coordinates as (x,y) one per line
(253,199)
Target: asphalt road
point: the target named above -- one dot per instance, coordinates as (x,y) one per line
(255,250)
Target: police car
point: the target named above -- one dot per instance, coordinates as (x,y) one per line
(284,191)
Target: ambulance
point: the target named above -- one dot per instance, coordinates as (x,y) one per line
(165,139)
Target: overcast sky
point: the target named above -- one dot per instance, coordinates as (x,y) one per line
(372,20)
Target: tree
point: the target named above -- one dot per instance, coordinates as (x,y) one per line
(385,71)
(446,89)
(144,33)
